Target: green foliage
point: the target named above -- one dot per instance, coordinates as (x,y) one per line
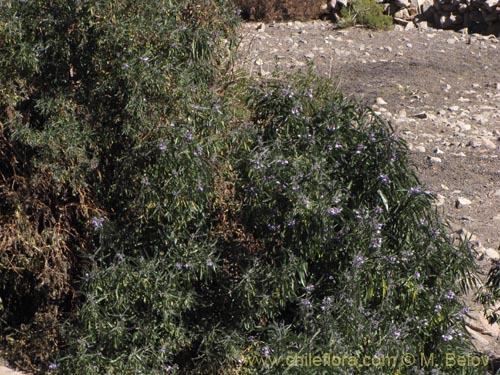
(365,12)
(489,294)
(161,215)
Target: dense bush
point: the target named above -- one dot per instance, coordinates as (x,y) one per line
(365,12)
(281,10)
(161,215)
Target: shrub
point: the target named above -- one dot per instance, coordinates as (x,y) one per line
(365,12)
(280,10)
(90,90)
(163,218)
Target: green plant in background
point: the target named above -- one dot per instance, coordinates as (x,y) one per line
(163,216)
(364,12)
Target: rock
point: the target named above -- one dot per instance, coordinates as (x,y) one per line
(261,27)
(454,108)
(490,253)
(438,151)
(259,62)
(421,115)
(490,5)
(419,148)
(497,193)
(381,101)
(474,143)
(434,160)
(402,13)
(485,142)
(464,127)
(461,202)
(440,199)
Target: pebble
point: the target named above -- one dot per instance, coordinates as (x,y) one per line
(461,201)
(434,159)
(381,101)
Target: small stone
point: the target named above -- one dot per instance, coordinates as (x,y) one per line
(497,193)
(419,149)
(453,108)
(451,41)
(489,252)
(309,55)
(474,143)
(381,101)
(488,143)
(261,27)
(259,62)
(444,187)
(440,199)
(421,115)
(438,151)
(461,201)
(434,160)
(464,127)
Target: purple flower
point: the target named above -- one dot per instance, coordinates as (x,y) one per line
(414,191)
(360,148)
(52,366)
(334,211)
(144,59)
(210,263)
(376,243)
(372,137)
(438,307)
(198,152)
(161,145)
(397,333)
(200,189)
(359,260)
(309,288)
(306,302)
(251,338)
(379,210)
(384,179)
(447,337)
(265,351)
(189,137)
(97,222)
(450,295)
(327,303)
(417,275)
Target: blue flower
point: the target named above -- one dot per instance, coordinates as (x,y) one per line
(450,295)
(52,366)
(438,307)
(384,179)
